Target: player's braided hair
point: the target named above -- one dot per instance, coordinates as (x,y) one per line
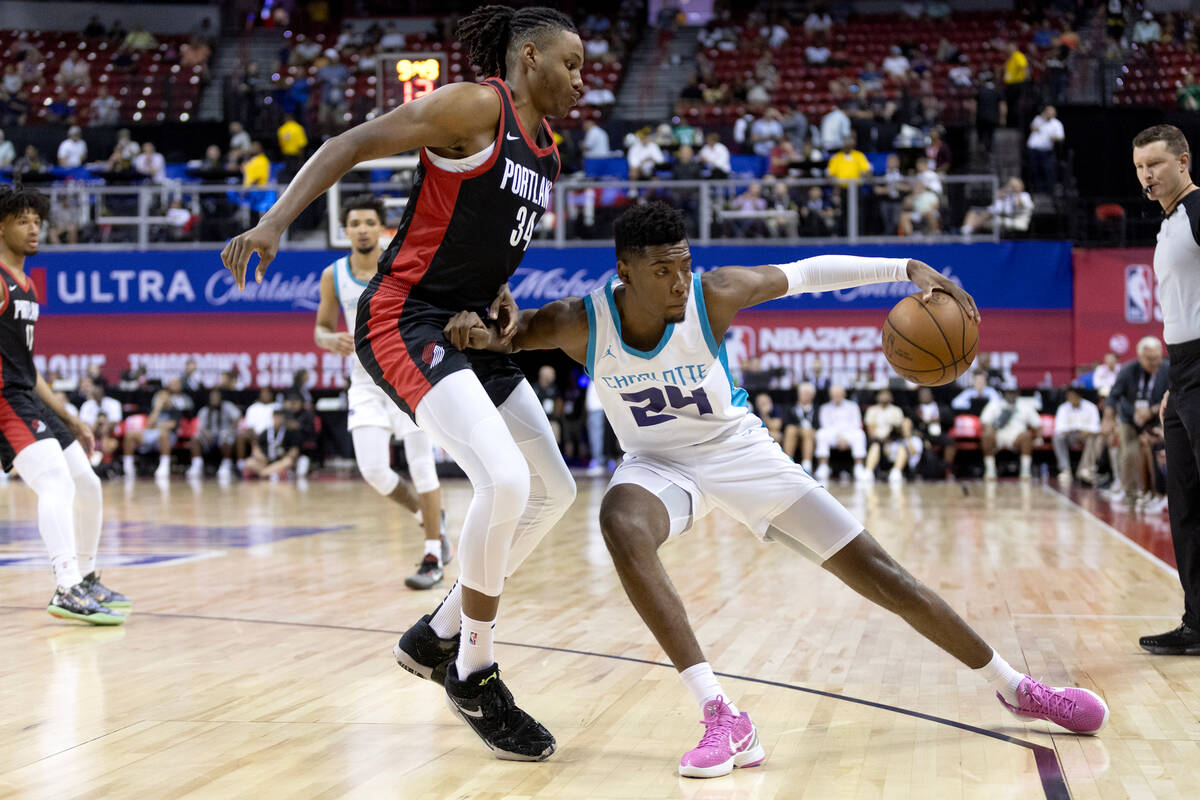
(647,225)
(488,32)
(17,199)
(363,202)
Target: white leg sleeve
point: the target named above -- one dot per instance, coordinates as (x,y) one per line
(89,506)
(373,458)
(551,487)
(42,466)
(418,451)
(459,418)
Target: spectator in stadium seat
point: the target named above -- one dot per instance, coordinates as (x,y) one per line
(305,52)
(1045,132)
(1016,81)
(94,29)
(716,156)
(1146,30)
(276,450)
(104,108)
(978,393)
(139,39)
(818,217)
(644,156)
(599,95)
(8,153)
(32,161)
(216,430)
(990,110)
(256,170)
(848,164)
(800,426)
(72,151)
(750,200)
(938,152)
(1008,425)
(928,176)
(835,129)
(595,140)
(256,420)
(686,167)
(1132,405)
(151,163)
(98,403)
(932,422)
(818,21)
(293,142)
(817,53)
(795,127)
(890,190)
(124,152)
(239,142)
(840,428)
(765,131)
(1077,424)
(889,436)
(1105,374)
(764,409)
(169,406)
(1012,210)
(921,211)
(781,157)
(896,64)
(12,81)
(786,224)
(74,72)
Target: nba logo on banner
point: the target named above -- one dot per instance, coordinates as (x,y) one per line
(1139,293)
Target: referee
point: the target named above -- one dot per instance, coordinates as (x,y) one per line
(1161,158)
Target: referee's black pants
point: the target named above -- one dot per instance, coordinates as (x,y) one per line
(1181,429)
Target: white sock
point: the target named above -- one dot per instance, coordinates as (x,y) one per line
(989,463)
(197,461)
(226,464)
(475,647)
(164,462)
(127,463)
(433,547)
(704,686)
(1001,677)
(446,620)
(1026,465)
(66,571)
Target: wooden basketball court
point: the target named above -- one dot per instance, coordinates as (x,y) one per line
(257,660)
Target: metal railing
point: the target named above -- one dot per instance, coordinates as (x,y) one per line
(141,216)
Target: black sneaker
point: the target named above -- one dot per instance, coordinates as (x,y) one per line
(77,603)
(104,595)
(1183,641)
(425,654)
(428,574)
(484,703)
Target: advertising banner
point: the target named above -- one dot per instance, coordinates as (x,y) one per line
(158,309)
(1116,302)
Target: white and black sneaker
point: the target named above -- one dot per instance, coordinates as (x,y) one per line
(425,654)
(484,703)
(428,575)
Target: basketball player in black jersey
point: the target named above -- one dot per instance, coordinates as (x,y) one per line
(488,163)
(38,436)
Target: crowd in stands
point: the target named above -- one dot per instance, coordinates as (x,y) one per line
(182,421)
(102,75)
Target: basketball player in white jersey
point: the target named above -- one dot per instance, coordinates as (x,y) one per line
(374,418)
(651,342)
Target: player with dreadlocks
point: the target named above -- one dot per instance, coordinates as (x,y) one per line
(488,163)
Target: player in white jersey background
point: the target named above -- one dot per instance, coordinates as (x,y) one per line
(373,417)
(651,343)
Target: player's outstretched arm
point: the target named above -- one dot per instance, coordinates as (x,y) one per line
(325,332)
(730,289)
(447,117)
(560,325)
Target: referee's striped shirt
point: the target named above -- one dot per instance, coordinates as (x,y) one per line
(1177,268)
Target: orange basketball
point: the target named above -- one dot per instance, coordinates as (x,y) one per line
(930,343)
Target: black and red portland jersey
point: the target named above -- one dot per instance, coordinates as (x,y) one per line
(18,315)
(463,234)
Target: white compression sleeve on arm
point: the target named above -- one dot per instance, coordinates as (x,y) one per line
(824,273)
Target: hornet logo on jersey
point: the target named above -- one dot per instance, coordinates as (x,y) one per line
(433,354)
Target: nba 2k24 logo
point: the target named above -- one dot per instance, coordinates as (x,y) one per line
(1141,304)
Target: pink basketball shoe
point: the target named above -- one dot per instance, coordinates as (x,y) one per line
(1077,710)
(729,741)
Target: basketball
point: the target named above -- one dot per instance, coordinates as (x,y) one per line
(930,343)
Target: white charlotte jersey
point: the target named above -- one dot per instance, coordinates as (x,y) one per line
(348,289)
(678,394)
